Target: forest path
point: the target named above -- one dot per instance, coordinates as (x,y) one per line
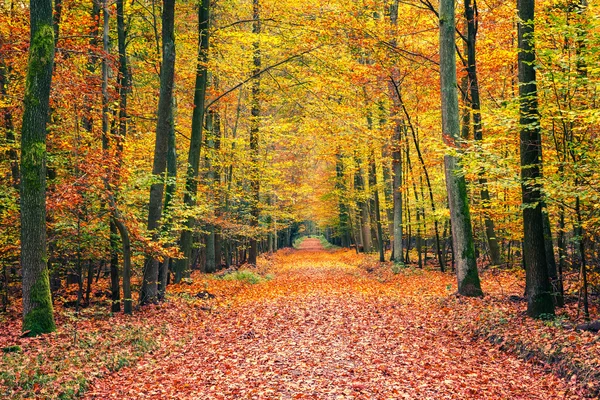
(325,328)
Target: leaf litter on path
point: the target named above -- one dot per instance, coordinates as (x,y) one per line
(325,329)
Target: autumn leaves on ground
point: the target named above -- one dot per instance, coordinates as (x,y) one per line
(306,323)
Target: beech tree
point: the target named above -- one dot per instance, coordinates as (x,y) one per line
(149,291)
(462,234)
(38,314)
(539,293)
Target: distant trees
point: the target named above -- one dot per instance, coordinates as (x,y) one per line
(280,126)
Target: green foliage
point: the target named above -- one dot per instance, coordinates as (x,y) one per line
(247,276)
(60,373)
(397,267)
(326,245)
(12,349)
(298,241)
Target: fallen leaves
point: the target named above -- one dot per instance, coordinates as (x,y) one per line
(322,328)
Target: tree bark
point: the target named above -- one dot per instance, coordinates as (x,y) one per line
(182,266)
(38,314)
(149,292)
(539,297)
(462,234)
(255,130)
(490,229)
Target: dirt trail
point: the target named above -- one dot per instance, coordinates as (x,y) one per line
(325,329)
(311,244)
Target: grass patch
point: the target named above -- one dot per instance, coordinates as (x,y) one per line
(325,243)
(298,241)
(247,276)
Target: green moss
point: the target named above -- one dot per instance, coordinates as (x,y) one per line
(41,317)
(12,349)
(470,285)
(41,53)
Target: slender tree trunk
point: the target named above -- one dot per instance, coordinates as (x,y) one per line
(38,314)
(539,297)
(580,234)
(254,130)
(374,187)
(462,233)
(471,15)
(365,220)
(211,264)
(7,116)
(171,186)
(182,266)
(149,292)
(427,179)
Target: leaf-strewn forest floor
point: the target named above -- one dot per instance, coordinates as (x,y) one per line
(310,323)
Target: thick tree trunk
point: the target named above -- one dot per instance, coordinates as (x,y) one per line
(149,292)
(182,266)
(539,297)
(462,234)
(254,131)
(38,314)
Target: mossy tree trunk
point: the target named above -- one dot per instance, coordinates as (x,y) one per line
(462,234)
(38,314)
(539,296)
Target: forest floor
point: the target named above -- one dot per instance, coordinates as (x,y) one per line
(312,323)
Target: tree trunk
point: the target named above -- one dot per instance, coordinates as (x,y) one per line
(182,266)
(254,131)
(462,234)
(471,15)
(375,188)
(38,314)
(149,292)
(539,297)
(163,272)
(397,250)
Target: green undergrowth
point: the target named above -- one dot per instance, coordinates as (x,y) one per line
(298,241)
(247,276)
(325,243)
(62,365)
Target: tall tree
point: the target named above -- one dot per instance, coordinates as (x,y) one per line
(462,234)
(397,251)
(182,266)
(539,297)
(471,15)
(38,314)
(255,131)
(149,291)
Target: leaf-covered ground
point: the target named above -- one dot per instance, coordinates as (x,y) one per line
(310,323)
(326,328)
